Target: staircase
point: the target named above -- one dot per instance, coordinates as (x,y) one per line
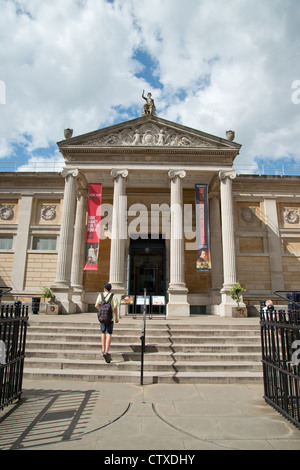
(207,351)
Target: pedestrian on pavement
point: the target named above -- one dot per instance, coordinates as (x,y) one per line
(107,328)
(269,311)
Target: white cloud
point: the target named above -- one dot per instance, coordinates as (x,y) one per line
(247,53)
(38,163)
(221,64)
(64,67)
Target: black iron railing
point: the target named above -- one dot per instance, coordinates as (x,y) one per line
(13,328)
(280,336)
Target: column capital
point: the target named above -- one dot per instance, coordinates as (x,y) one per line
(74,172)
(115,173)
(227,174)
(180,173)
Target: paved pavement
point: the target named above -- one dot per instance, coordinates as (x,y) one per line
(129,417)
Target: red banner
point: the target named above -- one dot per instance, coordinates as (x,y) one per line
(93,227)
(202,229)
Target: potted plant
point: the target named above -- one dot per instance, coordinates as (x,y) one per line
(53,308)
(236,294)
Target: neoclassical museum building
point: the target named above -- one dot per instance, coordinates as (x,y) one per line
(149,204)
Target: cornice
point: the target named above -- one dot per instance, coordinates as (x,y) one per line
(81,149)
(149,155)
(268,179)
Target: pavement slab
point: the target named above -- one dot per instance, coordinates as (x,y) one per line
(129,417)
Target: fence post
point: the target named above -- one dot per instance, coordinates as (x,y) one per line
(143,339)
(13,329)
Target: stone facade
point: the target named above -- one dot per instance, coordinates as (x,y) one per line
(29,230)
(267,231)
(155,164)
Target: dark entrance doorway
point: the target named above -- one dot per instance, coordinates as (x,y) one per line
(148,270)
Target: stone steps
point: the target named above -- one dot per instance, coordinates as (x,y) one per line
(112,375)
(131,339)
(214,348)
(135,356)
(175,352)
(180,366)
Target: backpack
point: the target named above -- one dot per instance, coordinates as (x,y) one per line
(105,313)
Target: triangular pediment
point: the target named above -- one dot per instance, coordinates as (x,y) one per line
(148,132)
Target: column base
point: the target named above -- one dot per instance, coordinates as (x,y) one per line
(178,305)
(215,301)
(78,299)
(63,294)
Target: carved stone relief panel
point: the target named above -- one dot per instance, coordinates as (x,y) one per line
(249,215)
(48,212)
(289,215)
(7,212)
(150,134)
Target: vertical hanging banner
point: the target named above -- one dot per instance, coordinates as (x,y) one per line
(93,227)
(202,229)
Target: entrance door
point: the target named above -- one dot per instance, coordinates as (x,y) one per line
(148,269)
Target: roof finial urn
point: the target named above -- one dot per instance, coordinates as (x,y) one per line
(68,133)
(230,135)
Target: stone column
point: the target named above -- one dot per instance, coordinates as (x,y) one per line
(216,252)
(178,305)
(78,250)
(228,241)
(119,233)
(63,271)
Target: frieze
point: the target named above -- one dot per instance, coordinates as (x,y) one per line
(148,135)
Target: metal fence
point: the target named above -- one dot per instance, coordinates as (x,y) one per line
(280,336)
(13,329)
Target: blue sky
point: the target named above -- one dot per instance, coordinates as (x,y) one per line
(211,65)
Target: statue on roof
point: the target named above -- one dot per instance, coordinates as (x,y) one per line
(149,107)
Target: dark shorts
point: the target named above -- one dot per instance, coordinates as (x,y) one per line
(107,328)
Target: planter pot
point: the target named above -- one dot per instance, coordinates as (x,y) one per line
(53,309)
(239,312)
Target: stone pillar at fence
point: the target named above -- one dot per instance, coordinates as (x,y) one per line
(21,243)
(274,242)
